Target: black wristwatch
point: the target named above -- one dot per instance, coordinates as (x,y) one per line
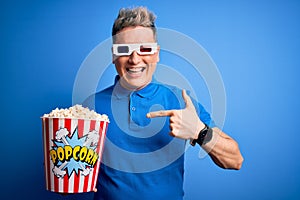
(204,136)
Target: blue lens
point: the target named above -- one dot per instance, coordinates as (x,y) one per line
(123,49)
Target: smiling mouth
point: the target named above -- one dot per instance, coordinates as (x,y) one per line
(135,70)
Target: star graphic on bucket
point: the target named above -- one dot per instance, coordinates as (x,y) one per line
(73,153)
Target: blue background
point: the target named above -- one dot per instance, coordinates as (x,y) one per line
(255,45)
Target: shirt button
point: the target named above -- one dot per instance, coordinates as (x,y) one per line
(133,108)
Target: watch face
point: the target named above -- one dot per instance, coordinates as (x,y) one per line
(208,135)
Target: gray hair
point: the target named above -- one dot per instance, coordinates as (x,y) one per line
(138,16)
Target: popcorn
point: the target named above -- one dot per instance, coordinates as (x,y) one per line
(77,112)
(73,141)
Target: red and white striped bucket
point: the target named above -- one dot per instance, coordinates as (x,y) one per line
(72,153)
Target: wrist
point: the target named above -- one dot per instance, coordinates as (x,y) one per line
(199,128)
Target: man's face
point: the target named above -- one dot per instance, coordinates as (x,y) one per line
(135,70)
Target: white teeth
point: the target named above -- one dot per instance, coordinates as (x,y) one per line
(135,70)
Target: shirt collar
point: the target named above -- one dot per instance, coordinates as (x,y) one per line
(146,92)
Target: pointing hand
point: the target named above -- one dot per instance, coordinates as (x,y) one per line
(184,123)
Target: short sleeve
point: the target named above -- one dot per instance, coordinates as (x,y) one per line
(205,116)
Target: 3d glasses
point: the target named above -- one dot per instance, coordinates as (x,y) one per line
(141,49)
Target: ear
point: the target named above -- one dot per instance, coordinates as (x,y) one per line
(113,56)
(157,53)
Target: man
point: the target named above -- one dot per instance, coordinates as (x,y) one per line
(150,123)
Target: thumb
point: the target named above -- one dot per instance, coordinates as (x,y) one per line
(187,99)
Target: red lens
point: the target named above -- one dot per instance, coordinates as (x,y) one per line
(145,49)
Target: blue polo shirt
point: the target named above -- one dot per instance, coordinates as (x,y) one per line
(140,159)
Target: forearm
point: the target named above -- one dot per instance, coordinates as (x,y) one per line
(223,150)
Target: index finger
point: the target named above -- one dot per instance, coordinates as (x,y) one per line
(160,113)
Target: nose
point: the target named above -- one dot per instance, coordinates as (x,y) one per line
(134,58)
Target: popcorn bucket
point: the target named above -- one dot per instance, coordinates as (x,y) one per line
(72,153)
